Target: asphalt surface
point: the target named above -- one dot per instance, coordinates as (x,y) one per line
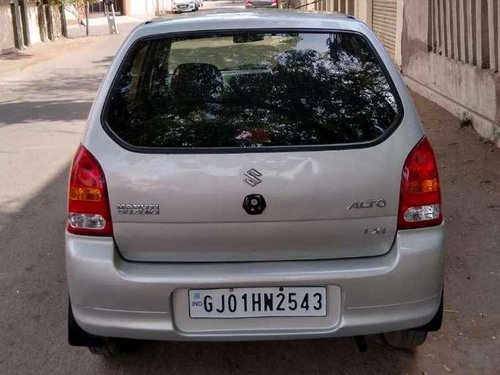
(43,107)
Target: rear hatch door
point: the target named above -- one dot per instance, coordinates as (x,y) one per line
(197,124)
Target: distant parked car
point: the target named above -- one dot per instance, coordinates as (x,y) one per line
(254,176)
(261,3)
(184,6)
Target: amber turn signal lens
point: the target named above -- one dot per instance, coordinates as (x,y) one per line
(424,186)
(85,194)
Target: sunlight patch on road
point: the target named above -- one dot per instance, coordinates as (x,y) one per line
(32,155)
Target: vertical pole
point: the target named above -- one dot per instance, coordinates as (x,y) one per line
(471,31)
(106,14)
(42,24)
(437,29)
(23,4)
(398,50)
(464,54)
(113,19)
(493,41)
(482,45)
(64,25)
(449,35)
(442,24)
(498,37)
(87,5)
(369,12)
(16,24)
(430,27)
(50,21)
(458,31)
(351,7)
(452,29)
(109,9)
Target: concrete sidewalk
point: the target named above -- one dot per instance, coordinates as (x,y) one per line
(53,50)
(98,26)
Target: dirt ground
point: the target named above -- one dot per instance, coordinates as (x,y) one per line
(470,176)
(20,60)
(43,107)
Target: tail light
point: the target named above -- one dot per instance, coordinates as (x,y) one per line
(420,200)
(88,205)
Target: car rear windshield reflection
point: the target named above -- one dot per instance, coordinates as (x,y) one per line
(251,90)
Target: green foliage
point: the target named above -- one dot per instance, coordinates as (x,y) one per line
(77,7)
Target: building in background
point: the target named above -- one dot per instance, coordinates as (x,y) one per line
(447,50)
(23,22)
(136,7)
(146,7)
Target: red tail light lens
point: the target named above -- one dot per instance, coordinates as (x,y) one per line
(88,205)
(420,200)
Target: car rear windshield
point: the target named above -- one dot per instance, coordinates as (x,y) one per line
(252,91)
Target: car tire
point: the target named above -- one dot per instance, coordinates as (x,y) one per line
(411,338)
(407,339)
(106,348)
(96,344)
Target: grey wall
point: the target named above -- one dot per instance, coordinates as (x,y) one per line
(463,89)
(7,42)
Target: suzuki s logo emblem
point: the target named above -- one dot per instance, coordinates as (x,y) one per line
(252,177)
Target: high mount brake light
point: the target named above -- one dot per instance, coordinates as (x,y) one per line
(420,199)
(88,205)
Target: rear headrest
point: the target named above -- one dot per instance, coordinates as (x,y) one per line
(197,82)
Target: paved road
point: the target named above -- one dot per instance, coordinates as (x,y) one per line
(42,114)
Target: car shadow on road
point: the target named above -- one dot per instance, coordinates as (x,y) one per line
(40,111)
(105,61)
(33,296)
(15,56)
(325,356)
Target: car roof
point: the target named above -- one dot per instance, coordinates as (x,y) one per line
(236,19)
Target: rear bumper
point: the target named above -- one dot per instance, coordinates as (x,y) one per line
(117,298)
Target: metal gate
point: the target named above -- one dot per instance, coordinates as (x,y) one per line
(384,21)
(99,7)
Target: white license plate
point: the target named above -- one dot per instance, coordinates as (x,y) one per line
(257,302)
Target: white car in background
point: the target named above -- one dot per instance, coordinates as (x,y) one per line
(185,5)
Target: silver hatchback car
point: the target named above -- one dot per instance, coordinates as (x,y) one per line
(253,175)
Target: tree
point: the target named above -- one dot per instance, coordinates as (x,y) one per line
(80,9)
